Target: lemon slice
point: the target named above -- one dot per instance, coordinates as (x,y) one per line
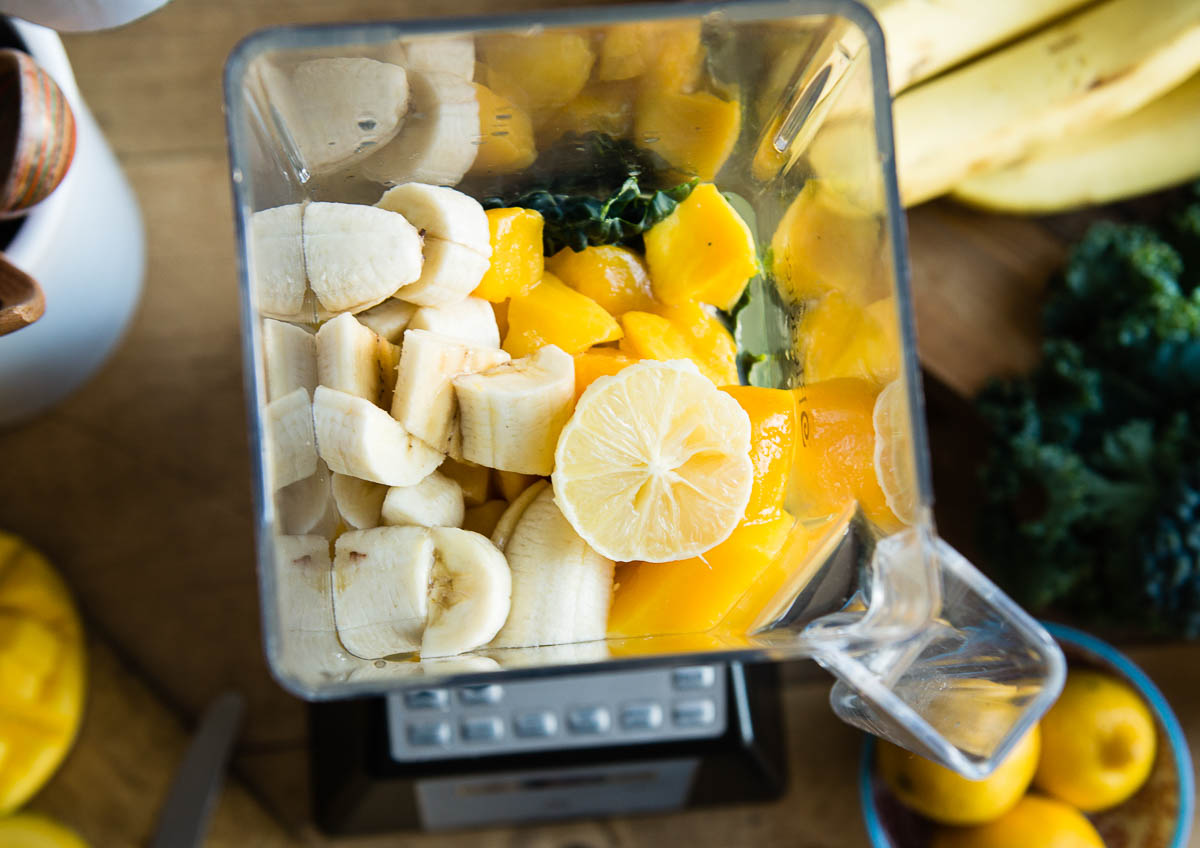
(655,463)
(29,830)
(894,459)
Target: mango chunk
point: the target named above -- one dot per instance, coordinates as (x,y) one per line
(702,251)
(713,347)
(667,53)
(517,259)
(842,339)
(695,133)
(615,277)
(772,446)
(626,51)
(601,107)
(693,595)
(595,363)
(505,135)
(539,71)
(552,313)
(650,336)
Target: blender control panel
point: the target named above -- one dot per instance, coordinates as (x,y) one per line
(560,712)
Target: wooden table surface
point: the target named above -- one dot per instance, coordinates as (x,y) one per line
(138,486)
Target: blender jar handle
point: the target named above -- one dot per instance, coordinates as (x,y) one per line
(940,661)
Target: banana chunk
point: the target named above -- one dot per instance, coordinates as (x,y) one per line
(389,319)
(450,273)
(358,255)
(277,260)
(442,213)
(440,137)
(447,55)
(290,358)
(469,594)
(472,320)
(291,446)
(357,438)
(503,530)
(380,589)
(348,358)
(424,400)
(359,502)
(436,501)
(473,479)
(338,110)
(561,588)
(304,506)
(304,606)
(511,416)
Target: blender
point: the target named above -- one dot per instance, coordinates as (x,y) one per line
(925,650)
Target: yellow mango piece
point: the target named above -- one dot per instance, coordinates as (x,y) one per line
(517,259)
(626,51)
(650,336)
(824,243)
(693,595)
(772,445)
(553,313)
(539,71)
(601,107)
(615,277)
(597,362)
(695,133)
(713,347)
(677,57)
(677,643)
(842,339)
(505,135)
(702,251)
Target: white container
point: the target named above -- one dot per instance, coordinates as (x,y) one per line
(85,245)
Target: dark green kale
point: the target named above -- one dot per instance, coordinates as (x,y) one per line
(1092,479)
(590,189)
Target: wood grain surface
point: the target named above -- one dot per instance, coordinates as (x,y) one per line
(138,486)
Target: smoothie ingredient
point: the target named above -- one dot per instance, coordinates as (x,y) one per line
(483,519)
(442,213)
(842,339)
(773,423)
(470,593)
(713,347)
(601,107)
(357,438)
(388,319)
(597,362)
(506,135)
(615,277)
(695,133)
(277,260)
(552,314)
(359,502)
(290,442)
(471,320)
(352,359)
(511,484)
(473,479)
(517,262)
(539,72)
(650,336)
(451,55)
(289,357)
(654,464)
(516,508)
(437,501)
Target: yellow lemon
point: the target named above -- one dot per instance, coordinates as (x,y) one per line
(41,672)
(1034,822)
(33,831)
(895,464)
(1098,743)
(940,794)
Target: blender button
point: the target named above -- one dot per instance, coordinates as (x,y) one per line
(694,713)
(482,728)
(427,733)
(531,725)
(694,677)
(486,693)
(427,699)
(589,720)
(641,717)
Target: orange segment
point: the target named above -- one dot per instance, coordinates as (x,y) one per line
(702,251)
(694,594)
(695,133)
(713,347)
(615,277)
(505,135)
(772,445)
(517,260)
(597,362)
(552,313)
(842,339)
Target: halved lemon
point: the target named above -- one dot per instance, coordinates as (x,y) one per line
(895,467)
(655,463)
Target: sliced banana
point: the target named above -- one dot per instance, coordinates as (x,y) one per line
(469,593)
(443,213)
(424,401)
(358,255)
(289,357)
(450,273)
(387,356)
(471,320)
(357,438)
(440,137)
(359,502)
(380,589)
(291,446)
(309,645)
(561,588)
(511,416)
(448,55)
(389,318)
(348,358)
(436,501)
(338,110)
(484,518)
(304,506)
(473,479)
(277,260)
(508,520)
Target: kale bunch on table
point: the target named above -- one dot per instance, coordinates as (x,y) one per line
(591,189)
(1091,486)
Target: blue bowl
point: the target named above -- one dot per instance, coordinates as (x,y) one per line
(1139,821)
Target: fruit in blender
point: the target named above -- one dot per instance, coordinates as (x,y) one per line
(842,339)
(506,141)
(552,313)
(712,344)
(537,72)
(615,277)
(598,362)
(695,132)
(601,107)
(772,415)
(517,262)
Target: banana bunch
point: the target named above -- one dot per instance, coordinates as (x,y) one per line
(1092,101)
(397,418)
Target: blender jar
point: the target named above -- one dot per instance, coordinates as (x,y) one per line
(784,106)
